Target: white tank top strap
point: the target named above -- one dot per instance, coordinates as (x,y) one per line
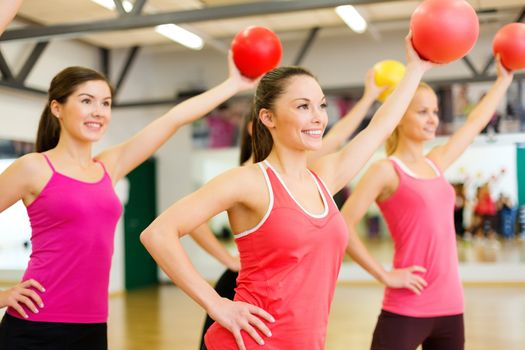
(323,184)
(409,172)
(433,166)
(49,162)
(402,165)
(270,204)
(317,184)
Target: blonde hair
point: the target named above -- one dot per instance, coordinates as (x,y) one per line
(393,140)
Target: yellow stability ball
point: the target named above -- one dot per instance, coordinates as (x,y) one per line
(388,73)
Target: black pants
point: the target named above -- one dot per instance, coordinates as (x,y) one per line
(398,332)
(225,287)
(18,334)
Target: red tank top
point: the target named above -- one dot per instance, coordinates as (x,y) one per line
(290,263)
(420,217)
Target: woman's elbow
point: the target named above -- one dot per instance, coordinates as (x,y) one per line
(150,235)
(157,235)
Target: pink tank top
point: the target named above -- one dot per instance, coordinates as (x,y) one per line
(420,217)
(73,224)
(290,263)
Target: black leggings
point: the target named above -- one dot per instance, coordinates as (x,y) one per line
(19,334)
(398,332)
(225,287)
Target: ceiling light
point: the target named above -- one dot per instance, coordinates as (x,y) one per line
(352,18)
(180,35)
(110,4)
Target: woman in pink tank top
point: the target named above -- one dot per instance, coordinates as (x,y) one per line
(62,300)
(423,300)
(290,235)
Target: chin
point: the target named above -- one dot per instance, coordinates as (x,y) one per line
(93,138)
(427,135)
(429,138)
(313,147)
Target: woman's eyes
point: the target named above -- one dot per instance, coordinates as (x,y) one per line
(306,106)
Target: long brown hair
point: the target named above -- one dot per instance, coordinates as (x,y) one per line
(393,140)
(272,85)
(246,138)
(61,87)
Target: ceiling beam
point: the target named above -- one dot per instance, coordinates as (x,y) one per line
(137,7)
(120,7)
(30,63)
(4,69)
(188,16)
(13,84)
(306,45)
(470,65)
(132,55)
(518,77)
(105,60)
(341,91)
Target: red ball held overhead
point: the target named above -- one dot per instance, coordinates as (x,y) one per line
(256,50)
(444,30)
(509,43)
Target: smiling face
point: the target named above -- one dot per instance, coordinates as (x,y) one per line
(421,119)
(86,113)
(298,118)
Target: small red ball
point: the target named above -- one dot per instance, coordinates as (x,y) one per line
(444,30)
(256,50)
(509,43)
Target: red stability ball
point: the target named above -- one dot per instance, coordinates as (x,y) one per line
(256,50)
(509,42)
(444,30)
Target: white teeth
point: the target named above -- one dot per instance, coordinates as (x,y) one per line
(93,125)
(313,132)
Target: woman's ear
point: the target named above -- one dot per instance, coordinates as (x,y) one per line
(55,107)
(267,118)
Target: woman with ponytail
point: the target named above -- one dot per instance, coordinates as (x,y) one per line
(423,300)
(334,139)
(290,235)
(62,301)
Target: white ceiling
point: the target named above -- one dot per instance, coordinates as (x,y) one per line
(381,17)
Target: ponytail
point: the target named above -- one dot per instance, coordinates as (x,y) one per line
(262,141)
(391,142)
(48,131)
(246,138)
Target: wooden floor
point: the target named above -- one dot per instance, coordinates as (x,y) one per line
(165,319)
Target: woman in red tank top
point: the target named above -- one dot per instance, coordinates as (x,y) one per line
(279,211)
(423,301)
(336,137)
(72,310)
